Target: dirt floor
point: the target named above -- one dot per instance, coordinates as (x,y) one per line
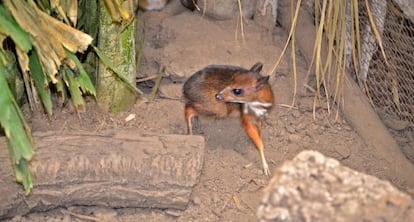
(231,183)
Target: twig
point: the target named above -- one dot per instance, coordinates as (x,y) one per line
(196,6)
(82,217)
(289,37)
(157,85)
(225,203)
(146,78)
(236,201)
(248,206)
(241,20)
(287,106)
(310,88)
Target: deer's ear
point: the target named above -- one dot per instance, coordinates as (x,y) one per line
(262,81)
(257,67)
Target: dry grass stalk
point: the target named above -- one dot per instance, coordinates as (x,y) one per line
(291,38)
(240,21)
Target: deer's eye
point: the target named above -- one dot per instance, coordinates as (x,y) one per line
(238,92)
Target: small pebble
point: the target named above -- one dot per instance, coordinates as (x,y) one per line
(294,138)
(301,126)
(305,144)
(290,129)
(296,113)
(174,213)
(343,152)
(282,133)
(215,198)
(196,200)
(130,117)
(307,139)
(347,127)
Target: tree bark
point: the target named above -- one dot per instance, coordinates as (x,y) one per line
(119,45)
(115,169)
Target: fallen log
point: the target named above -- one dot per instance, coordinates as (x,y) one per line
(116,169)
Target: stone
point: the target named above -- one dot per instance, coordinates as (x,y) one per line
(294,138)
(222,10)
(312,187)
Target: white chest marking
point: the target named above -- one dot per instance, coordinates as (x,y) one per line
(257,108)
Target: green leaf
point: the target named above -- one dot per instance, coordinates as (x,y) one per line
(17,134)
(74,88)
(83,79)
(105,60)
(9,26)
(3,59)
(25,175)
(20,138)
(40,81)
(13,123)
(60,88)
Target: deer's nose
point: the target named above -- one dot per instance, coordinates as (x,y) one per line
(219,97)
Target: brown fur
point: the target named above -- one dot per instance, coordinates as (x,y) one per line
(223,91)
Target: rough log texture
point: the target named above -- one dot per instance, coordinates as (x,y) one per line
(118,43)
(116,169)
(313,187)
(357,109)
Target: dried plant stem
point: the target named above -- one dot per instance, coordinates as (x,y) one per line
(317,53)
(293,27)
(82,217)
(293,55)
(376,33)
(356,37)
(287,106)
(204,7)
(147,78)
(157,85)
(390,66)
(241,20)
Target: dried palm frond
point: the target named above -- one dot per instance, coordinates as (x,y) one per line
(116,11)
(45,50)
(49,36)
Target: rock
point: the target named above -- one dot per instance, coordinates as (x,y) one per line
(290,129)
(215,198)
(296,113)
(174,213)
(313,187)
(301,126)
(196,200)
(294,138)
(342,152)
(347,127)
(222,10)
